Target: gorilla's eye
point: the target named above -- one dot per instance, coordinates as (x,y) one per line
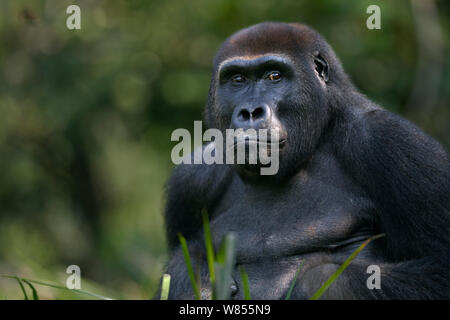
(237,78)
(274,76)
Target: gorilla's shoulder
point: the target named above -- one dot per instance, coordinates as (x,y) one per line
(392,132)
(190,189)
(376,134)
(198,180)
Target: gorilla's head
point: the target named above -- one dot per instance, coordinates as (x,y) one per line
(276,75)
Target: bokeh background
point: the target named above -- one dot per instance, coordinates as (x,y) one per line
(86,117)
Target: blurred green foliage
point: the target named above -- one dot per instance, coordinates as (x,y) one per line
(86,117)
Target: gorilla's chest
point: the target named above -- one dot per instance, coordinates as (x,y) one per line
(308,213)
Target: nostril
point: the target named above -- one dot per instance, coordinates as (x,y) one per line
(258,113)
(244,115)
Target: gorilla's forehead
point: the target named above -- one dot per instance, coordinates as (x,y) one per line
(268,38)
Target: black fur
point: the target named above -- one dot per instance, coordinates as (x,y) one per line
(349,170)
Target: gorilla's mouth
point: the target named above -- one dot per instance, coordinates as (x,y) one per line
(253,154)
(270,144)
(257,148)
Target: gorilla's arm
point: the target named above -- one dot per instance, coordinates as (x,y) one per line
(417,279)
(407,173)
(191,188)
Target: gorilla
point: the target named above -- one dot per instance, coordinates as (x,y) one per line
(348,170)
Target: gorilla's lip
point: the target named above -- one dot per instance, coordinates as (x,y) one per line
(269,142)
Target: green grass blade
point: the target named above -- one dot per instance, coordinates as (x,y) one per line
(25,296)
(291,288)
(187,260)
(88,293)
(224,266)
(245,284)
(198,278)
(219,288)
(33,289)
(209,250)
(56,286)
(165,287)
(338,272)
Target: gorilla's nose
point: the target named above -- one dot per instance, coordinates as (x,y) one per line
(246,117)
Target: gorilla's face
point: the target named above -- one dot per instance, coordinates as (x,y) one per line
(270,90)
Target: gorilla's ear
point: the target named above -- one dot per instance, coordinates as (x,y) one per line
(322,68)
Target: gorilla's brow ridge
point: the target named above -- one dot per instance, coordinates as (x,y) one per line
(250,57)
